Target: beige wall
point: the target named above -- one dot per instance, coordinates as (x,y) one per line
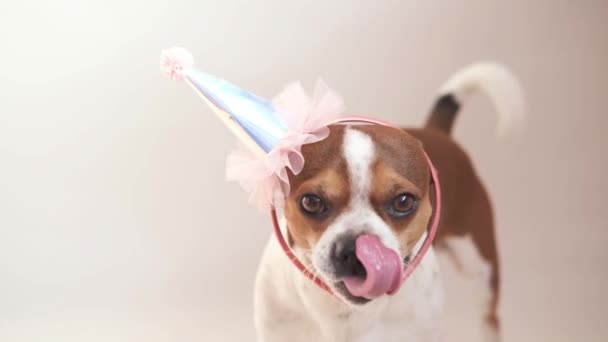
(115,221)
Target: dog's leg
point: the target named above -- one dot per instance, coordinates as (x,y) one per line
(484,238)
(471,295)
(491,324)
(470,261)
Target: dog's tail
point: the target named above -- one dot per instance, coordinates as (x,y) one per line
(495,81)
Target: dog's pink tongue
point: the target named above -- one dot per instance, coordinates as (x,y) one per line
(383,267)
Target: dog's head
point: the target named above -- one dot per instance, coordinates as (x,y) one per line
(363,195)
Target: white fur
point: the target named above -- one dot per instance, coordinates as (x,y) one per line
(496,82)
(358,149)
(289,307)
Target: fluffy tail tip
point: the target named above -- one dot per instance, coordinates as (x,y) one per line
(496,82)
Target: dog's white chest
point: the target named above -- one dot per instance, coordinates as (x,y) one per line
(290,307)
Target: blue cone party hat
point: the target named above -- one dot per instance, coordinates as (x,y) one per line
(251,118)
(273,133)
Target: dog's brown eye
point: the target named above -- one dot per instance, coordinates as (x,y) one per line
(403,205)
(312,205)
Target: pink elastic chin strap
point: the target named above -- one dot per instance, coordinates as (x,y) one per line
(428,241)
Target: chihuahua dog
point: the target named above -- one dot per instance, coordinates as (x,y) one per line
(375,181)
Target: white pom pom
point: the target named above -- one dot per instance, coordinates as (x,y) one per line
(174,61)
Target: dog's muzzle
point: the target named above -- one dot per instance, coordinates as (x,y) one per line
(367,267)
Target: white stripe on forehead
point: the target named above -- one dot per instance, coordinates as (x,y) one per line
(358,150)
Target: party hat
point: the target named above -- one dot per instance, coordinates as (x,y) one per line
(273,131)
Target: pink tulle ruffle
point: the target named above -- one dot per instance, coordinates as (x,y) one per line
(266,178)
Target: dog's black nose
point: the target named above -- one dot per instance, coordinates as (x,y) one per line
(344,258)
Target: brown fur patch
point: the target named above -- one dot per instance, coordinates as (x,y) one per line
(324,175)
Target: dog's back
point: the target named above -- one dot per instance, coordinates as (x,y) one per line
(466,239)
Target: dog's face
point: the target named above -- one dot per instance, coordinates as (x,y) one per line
(362,180)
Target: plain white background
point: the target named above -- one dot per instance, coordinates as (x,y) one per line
(115,220)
